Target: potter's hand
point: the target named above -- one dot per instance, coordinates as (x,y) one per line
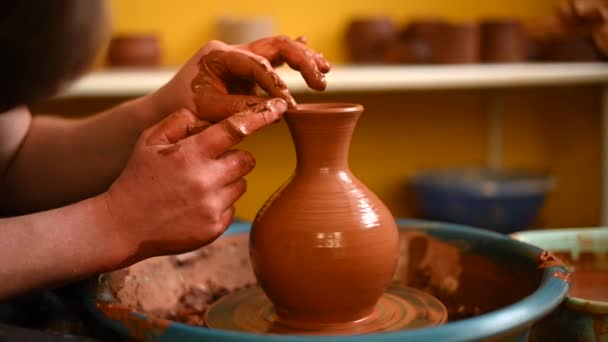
(223,79)
(586,16)
(583,14)
(575,18)
(178,190)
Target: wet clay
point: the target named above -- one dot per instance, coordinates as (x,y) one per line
(467,284)
(547,259)
(230,80)
(323,247)
(400,308)
(182,287)
(589,275)
(591,285)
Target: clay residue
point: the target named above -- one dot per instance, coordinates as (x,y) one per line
(561,275)
(428,264)
(547,259)
(169,150)
(468,284)
(591,285)
(139,328)
(182,287)
(197,127)
(589,275)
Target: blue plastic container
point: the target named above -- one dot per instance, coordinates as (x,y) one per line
(509,323)
(503,201)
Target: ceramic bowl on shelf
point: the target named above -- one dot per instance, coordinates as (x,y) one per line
(500,291)
(503,201)
(367,38)
(566,49)
(134,50)
(503,41)
(584,314)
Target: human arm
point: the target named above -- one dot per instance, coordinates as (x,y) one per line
(575,18)
(175,194)
(60,161)
(54,247)
(586,17)
(51,161)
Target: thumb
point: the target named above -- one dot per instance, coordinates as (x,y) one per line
(173,128)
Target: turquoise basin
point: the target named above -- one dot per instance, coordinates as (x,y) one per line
(510,321)
(577,319)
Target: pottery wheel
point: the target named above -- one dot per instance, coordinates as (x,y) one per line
(400,308)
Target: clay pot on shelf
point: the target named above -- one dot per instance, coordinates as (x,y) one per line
(567,49)
(138,50)
(421,37)
(404,51)
(503,41)
(324,248)
(367,39)
(459,44)
(439,42)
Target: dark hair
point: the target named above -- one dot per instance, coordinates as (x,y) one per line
(45,44)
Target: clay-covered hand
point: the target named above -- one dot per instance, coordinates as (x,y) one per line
(178,190)
(586,16)
(223,79)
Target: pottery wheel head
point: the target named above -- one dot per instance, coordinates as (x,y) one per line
(400,308)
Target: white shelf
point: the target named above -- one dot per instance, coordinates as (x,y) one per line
(133,82)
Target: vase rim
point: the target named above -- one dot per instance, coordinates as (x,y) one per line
(326,108)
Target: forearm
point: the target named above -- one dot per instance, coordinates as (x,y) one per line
(65,160)
(57,246)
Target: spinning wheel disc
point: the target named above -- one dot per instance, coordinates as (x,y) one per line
(400,308)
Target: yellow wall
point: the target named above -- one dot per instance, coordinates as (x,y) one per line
(185,25)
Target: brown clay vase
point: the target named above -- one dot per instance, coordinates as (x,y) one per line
(323,247)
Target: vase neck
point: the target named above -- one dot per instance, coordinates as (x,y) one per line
(322,140)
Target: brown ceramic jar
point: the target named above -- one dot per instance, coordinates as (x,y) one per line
(367,39)
(134,51)
(567,49)
(439,42)
(323,247)
(422,36)
(404,51)
(458,44)
(503,41)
